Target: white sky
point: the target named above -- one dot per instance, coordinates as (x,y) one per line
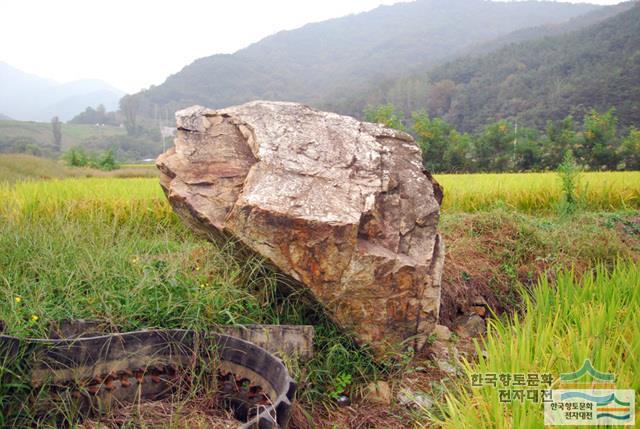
(135,43)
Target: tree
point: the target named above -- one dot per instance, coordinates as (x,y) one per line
(630,150)
(528,152)
(385,114)
(459,153)
(95,116)
(560,136)
(129,106)
(495,148)
(108,161)
(598,147)
(439,97)
(433,137)
(56,128)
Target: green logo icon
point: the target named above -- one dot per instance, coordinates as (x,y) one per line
(587,367)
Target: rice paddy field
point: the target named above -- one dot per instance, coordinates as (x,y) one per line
(538,193)
(532,193)
(111,249)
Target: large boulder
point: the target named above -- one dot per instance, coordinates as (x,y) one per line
(343,207)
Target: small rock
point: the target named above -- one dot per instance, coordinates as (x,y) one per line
(479,300)
(343,401)
(474,326)
(446,367)
(480,310)
(409,398)
(379,392)
(442,333)
(443,350)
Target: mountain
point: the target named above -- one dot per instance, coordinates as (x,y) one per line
(554,29)
(596,67)
(329,60)
(4,117)
(416,91)
(29,97)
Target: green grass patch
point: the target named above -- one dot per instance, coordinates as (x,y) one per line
(113,251)
(563,324)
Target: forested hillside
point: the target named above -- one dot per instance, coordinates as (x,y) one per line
(331,60)
(535,81)
(415,91)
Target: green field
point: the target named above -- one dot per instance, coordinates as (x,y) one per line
(111,249)
(20,168)
(36,138)
(72,134)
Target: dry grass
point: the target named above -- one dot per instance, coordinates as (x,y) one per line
(201,413)
(19,167)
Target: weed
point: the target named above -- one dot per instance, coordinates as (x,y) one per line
(569,174)
(341,385)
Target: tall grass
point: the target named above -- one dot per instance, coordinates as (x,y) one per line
(562,325)
(532,193)
(538,193)
(82,198)
(112,250)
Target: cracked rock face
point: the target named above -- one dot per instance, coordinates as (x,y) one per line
(341,206)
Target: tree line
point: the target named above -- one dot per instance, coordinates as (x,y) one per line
(596,143)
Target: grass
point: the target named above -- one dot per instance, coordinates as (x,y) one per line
(128,262)
(563,324)
(112,250)
(40,132)
(538,193)
(18,167)
(490,252)
(531,193)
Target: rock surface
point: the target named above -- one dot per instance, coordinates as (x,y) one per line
(379,392)
(419,400)
(341,206)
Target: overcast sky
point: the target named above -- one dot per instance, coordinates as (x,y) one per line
(135,43)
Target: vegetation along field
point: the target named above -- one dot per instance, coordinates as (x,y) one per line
(508,236)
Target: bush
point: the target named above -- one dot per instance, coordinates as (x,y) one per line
(569,173)
(78,157)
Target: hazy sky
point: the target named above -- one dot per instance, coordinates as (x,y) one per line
(135,43)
